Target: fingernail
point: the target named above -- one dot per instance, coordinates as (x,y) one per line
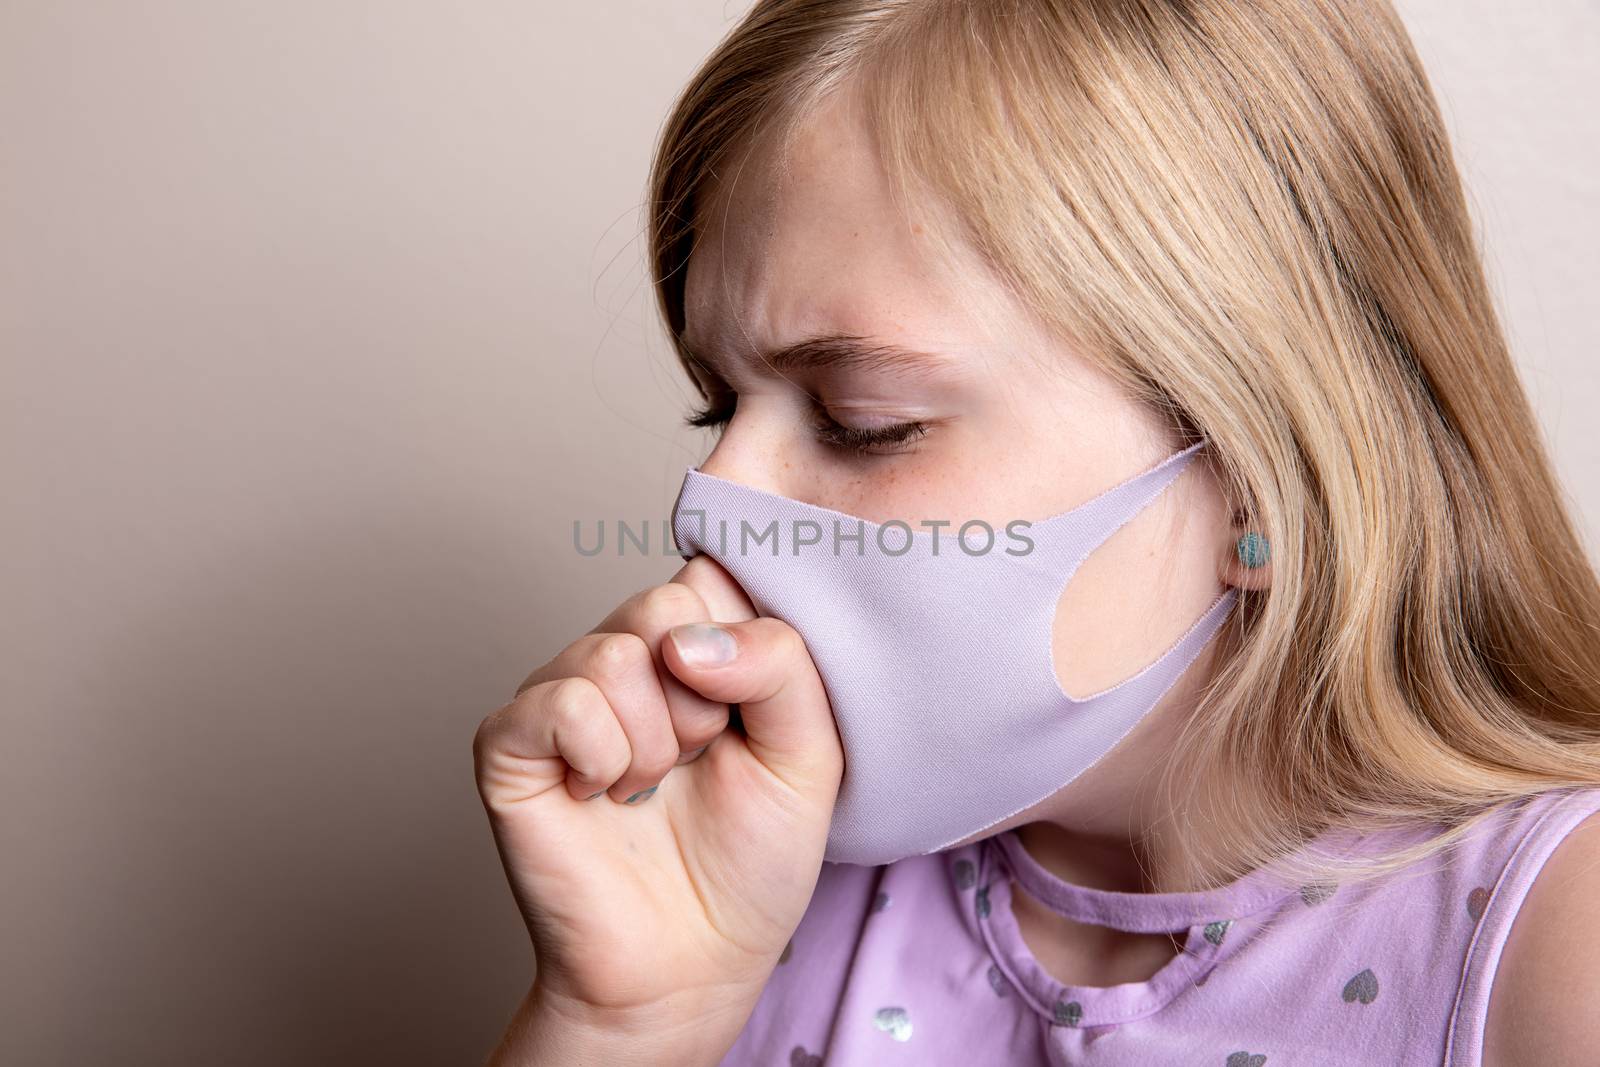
(691,754)
(701,644)
(595,796)
(642,795)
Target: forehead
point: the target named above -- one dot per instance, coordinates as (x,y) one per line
(812,241)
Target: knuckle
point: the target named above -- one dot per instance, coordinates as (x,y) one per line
(613,763)
(783,639)
(600,750)
(574,699)
(668,604)
(614,655)
(584,717)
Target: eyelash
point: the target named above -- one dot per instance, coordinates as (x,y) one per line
(852,438)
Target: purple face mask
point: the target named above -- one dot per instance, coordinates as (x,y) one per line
(934,647)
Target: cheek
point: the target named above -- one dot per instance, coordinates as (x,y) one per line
(1133,598)
(1113,618)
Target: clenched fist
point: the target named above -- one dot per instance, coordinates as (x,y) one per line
(660,859)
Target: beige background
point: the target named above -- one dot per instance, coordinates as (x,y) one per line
(320,322)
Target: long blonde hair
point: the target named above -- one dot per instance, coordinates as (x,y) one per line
(1249,215)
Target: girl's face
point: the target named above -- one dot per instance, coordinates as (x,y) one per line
(930,411)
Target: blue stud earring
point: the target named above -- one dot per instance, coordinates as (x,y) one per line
(1253,550)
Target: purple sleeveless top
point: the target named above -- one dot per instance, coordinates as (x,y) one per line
(921,961)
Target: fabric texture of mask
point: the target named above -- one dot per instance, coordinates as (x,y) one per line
(936,651)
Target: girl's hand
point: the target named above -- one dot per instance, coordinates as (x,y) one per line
(660,886)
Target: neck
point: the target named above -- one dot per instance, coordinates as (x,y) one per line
(1079,953)
(1091,860)
(1121,826)
(1110,830)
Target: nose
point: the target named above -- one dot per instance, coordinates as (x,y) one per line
(745,453)
(750,449)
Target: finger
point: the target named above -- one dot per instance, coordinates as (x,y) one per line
(561,730)
(694,720)
(727,602)
(623,667)
(723,596)
(763,666)
(651,612)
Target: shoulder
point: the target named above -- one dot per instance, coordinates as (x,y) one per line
(1544,1007)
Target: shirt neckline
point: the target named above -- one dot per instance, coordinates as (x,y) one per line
(1145,913)
(1213,919)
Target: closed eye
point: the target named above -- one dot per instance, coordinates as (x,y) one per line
(879,440)
(876,440)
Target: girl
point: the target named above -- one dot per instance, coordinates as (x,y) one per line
(1196,279)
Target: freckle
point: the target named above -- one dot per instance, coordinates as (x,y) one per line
(916,227)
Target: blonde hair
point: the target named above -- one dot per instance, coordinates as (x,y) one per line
(1249,215)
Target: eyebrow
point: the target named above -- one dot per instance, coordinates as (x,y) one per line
(835,351)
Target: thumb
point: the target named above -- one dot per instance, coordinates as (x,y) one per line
(763,666)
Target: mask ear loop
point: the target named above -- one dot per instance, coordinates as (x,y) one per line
(1159,675)
(1111,510)
(1062,542)
(1068,539)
